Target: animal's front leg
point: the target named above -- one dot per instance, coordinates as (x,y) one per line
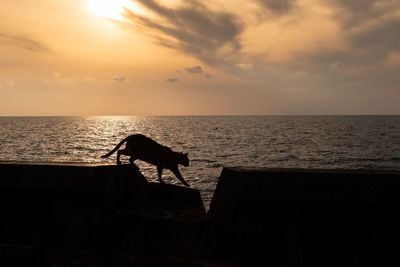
(159,171)
(179,176)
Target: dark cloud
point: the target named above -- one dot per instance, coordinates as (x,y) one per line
(381,38)
(23,42)
(370,46)
(120,79)
(355,12)
(195,69)
(278,7)
(356,6)
(192,29)
(371,29)
(172,80)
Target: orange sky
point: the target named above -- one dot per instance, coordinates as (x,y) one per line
(172,57)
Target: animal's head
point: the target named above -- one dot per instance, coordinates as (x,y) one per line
(183,159)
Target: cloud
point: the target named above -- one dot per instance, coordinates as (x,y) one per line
(10,83)
(357,13)
(370,45)
(89,79)
(191,28)
(245,66)
(208,76)
(172,80)
(278,7)
(56,75)
(368,28)
(195,69)
(23,42)
(382,36)
(337,66)
(393,59)
(120,79)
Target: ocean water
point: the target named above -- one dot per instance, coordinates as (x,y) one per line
(328,142)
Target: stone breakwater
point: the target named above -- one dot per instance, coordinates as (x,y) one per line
(107,215)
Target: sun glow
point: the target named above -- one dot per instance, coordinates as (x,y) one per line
(112,9)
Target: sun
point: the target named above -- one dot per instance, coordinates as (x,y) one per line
(111,9)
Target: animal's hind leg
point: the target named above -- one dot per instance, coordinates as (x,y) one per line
(131,161)
(159,172)
(119,153)
(118,156)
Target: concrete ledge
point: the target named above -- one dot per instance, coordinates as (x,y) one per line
(301,217)
(94,206)
(257,217)
(124,185)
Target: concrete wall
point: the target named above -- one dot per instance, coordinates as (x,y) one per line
(257,217)
(302,217)
(98,206)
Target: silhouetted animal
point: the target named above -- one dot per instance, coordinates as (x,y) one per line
(141,147)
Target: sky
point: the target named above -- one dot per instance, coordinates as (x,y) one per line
(219,57)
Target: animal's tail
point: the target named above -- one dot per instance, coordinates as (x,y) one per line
(115,149)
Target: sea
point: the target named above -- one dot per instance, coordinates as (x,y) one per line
(213,142)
